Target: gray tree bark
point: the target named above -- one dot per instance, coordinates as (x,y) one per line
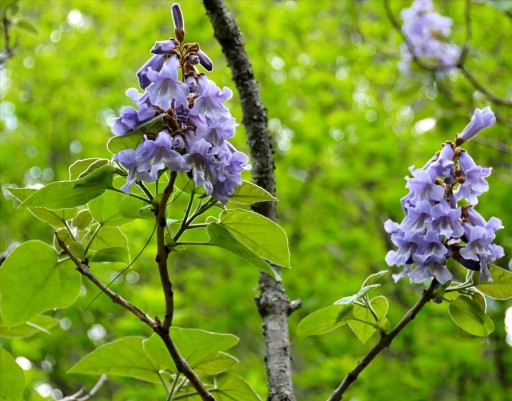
(273,303)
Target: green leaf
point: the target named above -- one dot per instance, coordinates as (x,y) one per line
(230,387)
(250,193)
(362,292)
(64,236)
(84,167)
(33,281)
(186,184)
(132,139)
(198,347)
(105,209)
(501,287)
(82,219)
(373,278)
(113,254)
(468,315)
(124,357)
(220,236)
(26,25)
(12,378)
(215,363)
(132,208)
(69,194)
(108,237)
(56,218)
(364,331)
(261,235)
(325,320)
(38,324)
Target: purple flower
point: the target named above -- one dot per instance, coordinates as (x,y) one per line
(130,118)
(475,184)
(443,165)
(422,187)
(218,130)
(430,266)
(205,61)
(155,63)
(136,171)
(426,33)
(418,217)
(177,16)
(446,220)
(481,119)
(159,153)
(166,89)
(163,47)
(209,103)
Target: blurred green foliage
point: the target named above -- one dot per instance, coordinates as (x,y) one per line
(346,126)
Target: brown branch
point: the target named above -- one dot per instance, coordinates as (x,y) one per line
(78,395)
(163,252)
(273,304)
(9,50)
(384,342)
(156,325)
(84,269)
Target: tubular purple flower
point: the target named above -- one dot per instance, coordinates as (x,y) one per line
(163,47)
(177,16)
(475,184)
(446,220)
(443,166)
(166,85)
(422,186)
(205,61)
(481,119)
(155,63)
(136,170)
(209,103)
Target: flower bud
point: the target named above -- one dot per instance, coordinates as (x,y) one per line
(205,61)
(177,17)
(481,119)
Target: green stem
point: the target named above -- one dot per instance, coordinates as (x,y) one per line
(68,228)
(460,287)
(186,223)
(164,384)
(132,195)
(94,234)
(173,388)
(145,189)
(369,306)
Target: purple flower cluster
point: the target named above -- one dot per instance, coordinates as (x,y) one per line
(426,33)
(436,227)
(193,136)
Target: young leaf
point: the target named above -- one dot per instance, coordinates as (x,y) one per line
(132,139)
(372,278)
(26,25)
(468,315)
(69,194)
(364,331)
(12,378)
(220,236)
(362,292)
(38,324)
(82,219)
(33,281)
(261,235)
(501,287)
(82,168)
(105,209)
(113,254)
(124,357)
(196,346)
(325,320)
(132,208)
(250,193)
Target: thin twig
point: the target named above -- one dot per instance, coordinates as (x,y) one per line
(77,396)
(9,49)
(384,342)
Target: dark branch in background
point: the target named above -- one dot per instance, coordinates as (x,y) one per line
(460,65)
(8,52)
(273,304)
(181,364)
(384,342)
(78,395)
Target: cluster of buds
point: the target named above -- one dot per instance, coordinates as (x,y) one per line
(193,136)
(426,33)
(440,218)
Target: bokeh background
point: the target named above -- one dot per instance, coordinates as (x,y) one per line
(346,125)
